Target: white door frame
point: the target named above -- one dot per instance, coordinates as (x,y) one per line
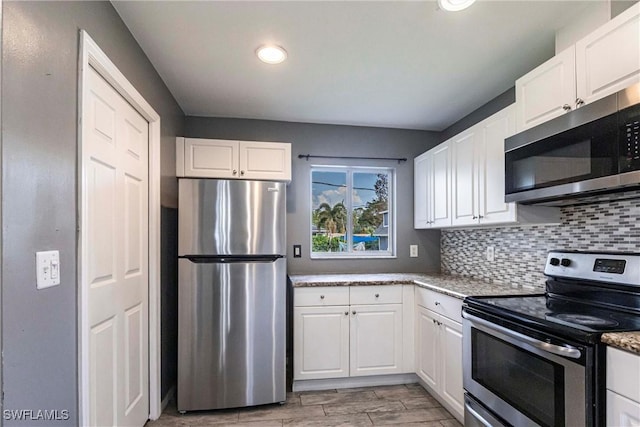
(92,56)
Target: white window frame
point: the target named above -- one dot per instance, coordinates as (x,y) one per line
(350,170)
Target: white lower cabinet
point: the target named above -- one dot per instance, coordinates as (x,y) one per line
(363,337)
(623,388)
(439,348)
(321,342)
(376,339)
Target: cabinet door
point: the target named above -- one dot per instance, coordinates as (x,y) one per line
(490,149)
(451,364)
(376,339)
(464,174)
(420,207)
(210,158)
(265,160)
(440,186)
(622,412)
(427,347)
(320,342)
(608,59)
(542,93)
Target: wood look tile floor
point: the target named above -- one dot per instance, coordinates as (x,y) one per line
(398,405)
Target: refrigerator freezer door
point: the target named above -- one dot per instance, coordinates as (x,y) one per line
(231,217)
(231,338)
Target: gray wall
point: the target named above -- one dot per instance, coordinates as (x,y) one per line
(501,101)
(347,141)
(39,136)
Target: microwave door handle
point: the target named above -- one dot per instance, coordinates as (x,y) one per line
(559,350)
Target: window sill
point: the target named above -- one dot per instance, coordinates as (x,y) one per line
(352,257)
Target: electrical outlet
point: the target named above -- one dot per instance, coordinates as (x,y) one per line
(490,254)
(413,251)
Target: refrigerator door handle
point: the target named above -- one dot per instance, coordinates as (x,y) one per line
(204,259)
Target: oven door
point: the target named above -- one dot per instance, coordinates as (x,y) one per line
(523,380)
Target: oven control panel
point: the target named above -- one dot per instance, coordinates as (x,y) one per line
(613,266)
(622,268)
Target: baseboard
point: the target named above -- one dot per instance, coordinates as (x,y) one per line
(167,398)
(350,382)
(447,406)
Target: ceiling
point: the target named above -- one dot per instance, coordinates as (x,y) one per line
(401,64)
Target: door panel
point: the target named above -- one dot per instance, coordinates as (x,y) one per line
(376,339)
(231,333)
(427,357)
(212,158)
(321,342)
(231,217)
(464,174)
(440,186)
(115,241)
(451,340)
(542,93)
(103,364)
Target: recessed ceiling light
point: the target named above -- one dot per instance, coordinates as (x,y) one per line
(271,54)
(455,5)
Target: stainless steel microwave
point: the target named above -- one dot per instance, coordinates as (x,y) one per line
(590,151)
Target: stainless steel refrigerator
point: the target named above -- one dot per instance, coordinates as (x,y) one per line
(231,293)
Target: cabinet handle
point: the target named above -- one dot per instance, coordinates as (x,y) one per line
(579,102)
(566,107)
(377,295)
(235,172)
(353,312)
(434,321)
(321,296)
(241,172)
(346,313)
(437,302)
(480,216)
(474,217)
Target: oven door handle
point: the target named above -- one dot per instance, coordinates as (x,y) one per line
(560,350)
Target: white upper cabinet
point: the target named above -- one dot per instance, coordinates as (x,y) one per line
(603,62)
(547,91)
(421,169)
(465,180)
(440,186)
(432,188)
(464,176)
(608,60)
(218,158)
(490,157)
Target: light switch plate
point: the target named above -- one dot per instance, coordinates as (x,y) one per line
(413,251)
(47,269)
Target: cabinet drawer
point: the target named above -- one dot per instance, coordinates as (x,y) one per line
(390,294)
(623,371)
(442,304)
(305,297)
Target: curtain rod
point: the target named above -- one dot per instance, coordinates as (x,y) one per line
(310,156)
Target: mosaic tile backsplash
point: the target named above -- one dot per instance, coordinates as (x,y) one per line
(521,251)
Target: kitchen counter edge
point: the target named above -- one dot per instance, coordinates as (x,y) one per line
(629,341)
(455,286)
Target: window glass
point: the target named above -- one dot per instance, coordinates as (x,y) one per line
(351,212)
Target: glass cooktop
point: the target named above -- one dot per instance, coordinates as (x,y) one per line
(552,311)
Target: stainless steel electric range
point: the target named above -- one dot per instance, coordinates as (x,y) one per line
(537,360)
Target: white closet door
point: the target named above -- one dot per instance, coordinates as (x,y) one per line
(115,256)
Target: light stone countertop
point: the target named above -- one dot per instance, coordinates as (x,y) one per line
(455,286)
(629,341)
